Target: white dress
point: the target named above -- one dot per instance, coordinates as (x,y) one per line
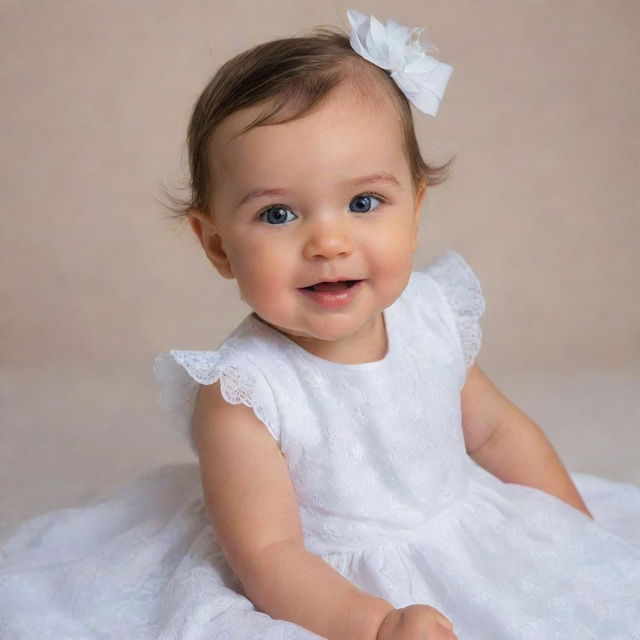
(387,496)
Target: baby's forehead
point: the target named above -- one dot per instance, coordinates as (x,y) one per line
(347,121)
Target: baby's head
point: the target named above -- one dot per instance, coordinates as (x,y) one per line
(330,136)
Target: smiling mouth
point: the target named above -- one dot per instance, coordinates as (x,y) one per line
(331,286)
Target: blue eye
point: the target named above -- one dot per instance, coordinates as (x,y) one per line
(276,214)
(279,214)
(363,202)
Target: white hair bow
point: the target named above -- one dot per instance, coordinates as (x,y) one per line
(398,49)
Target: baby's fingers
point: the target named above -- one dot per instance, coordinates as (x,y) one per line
(416,622)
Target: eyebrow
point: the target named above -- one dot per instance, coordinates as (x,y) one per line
(385,178)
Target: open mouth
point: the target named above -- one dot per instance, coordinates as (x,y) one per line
(331,286)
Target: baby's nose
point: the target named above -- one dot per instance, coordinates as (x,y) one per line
(328,239)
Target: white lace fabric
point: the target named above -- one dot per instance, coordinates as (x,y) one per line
(386,492)
(182,372)
(463,292)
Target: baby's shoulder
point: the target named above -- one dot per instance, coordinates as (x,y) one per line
(234,364)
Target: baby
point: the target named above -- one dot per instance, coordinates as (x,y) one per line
(359,477)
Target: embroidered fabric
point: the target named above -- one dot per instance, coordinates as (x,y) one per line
(387,497)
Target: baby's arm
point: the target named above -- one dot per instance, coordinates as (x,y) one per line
(254,512)
(506,442)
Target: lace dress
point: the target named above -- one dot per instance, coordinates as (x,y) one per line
(387,496)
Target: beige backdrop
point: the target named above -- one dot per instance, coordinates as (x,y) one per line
(542,111)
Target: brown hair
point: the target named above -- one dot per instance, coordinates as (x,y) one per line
(297,74)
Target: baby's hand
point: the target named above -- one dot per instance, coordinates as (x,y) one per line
(416,622)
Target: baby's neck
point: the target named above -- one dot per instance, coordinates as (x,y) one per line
(368,345)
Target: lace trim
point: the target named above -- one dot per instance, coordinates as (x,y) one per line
(181,372)
(464,294)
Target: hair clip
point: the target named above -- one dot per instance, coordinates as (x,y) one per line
(399,49)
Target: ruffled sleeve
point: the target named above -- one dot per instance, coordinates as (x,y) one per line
(180,373)
(461,288)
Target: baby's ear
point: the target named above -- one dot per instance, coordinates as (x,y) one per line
(211,241)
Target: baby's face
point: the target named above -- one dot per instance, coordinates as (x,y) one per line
(323,198)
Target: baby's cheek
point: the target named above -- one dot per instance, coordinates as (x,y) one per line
(262,290)
(395,256)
